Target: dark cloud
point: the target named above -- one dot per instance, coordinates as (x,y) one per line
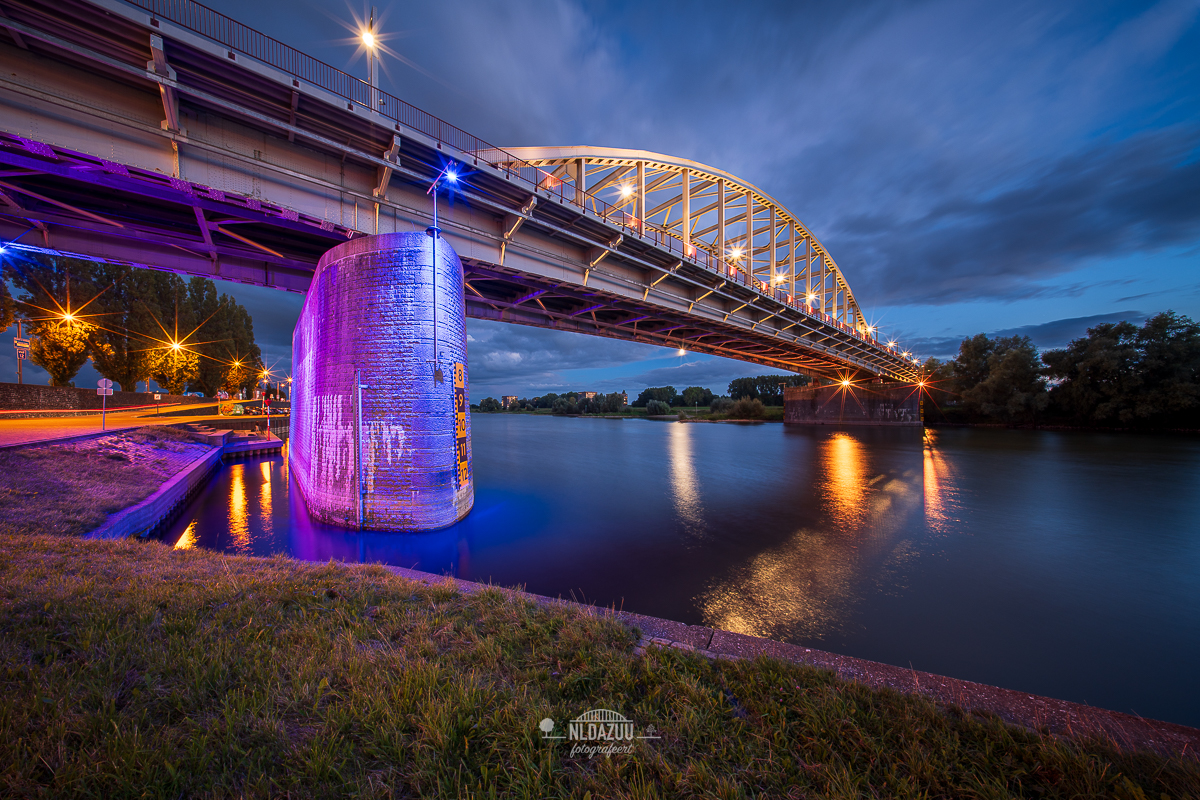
(1060,332)
(1137,195)
(1047,335)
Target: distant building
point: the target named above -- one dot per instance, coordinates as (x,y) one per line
(508,401)
(624,398)
(587,395)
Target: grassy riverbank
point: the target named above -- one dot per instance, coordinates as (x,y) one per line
(130,669)
(71,487)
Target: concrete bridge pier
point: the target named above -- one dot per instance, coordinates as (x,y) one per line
(380,426)
(855,404)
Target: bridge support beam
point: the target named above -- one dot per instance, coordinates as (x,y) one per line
(380,427)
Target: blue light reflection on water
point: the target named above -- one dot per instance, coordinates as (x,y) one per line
(1062,564)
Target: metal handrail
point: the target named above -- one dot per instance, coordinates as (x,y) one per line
(241,38)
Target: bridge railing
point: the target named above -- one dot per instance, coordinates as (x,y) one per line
(244,39)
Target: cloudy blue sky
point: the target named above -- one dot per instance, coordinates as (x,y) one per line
(972,166)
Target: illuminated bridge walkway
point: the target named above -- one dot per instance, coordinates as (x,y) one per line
(159,133)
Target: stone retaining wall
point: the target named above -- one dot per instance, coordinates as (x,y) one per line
(36,397)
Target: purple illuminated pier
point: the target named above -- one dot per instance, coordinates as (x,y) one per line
(399,459)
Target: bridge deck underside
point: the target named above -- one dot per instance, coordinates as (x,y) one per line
(506,295)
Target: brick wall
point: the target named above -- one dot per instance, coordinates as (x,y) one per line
(869,404)
(370,308)
(32,396)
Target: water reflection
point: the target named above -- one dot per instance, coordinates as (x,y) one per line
(938,483)
(239,519)
(684,486)
(187,539)
(265,508)
(845,483)
(810,584)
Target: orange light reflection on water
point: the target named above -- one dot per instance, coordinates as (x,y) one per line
(239,519)
(845,484)
(264,500)
(807,585)
(938,483)
(188,539)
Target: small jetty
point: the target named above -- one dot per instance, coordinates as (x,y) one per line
(239,444)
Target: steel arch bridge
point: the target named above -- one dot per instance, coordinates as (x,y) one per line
(161,134)
(741,230)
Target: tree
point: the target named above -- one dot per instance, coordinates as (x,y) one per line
(694,396)
(657,407)
(1119,374)
(565,405)
(720,405)
(174,369)
(746,408)
(1170,370)
(237,375)
(61,348)
(489,404)
(767,388)
(665,394)
(1096,375)
(129,308)
(57,291)
(1000,378)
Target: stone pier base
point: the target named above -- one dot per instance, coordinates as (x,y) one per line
(380,426)
(866,404)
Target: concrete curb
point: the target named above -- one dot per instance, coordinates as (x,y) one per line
(160,508)
(1041,714)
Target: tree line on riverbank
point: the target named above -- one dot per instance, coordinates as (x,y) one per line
(133,324)
(1118,375)
(747,399)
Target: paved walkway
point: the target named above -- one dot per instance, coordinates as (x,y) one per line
(27,431)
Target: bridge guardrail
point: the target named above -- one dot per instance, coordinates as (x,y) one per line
(242,38)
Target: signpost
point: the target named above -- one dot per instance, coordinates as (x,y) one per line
(104,391)
(157,397)
(22,346)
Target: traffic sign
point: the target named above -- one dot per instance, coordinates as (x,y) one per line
(104,383)
(103,391)
(22,354)
(19,343)
(157,397)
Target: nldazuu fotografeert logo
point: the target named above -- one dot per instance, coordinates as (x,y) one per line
(599,732)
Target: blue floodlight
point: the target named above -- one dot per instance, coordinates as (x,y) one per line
(452,176)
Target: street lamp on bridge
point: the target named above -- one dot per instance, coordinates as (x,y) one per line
(450,175)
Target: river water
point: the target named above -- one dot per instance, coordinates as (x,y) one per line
(1058,563)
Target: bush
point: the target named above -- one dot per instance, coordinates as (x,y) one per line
(720,405)
(747,408)
(656,407)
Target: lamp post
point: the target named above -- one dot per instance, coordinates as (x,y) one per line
(368,38)
(451,176)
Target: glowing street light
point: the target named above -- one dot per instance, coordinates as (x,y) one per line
(845,381)
(891,344)
(368,39)
(682,352)
(626,190)
(450,174)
